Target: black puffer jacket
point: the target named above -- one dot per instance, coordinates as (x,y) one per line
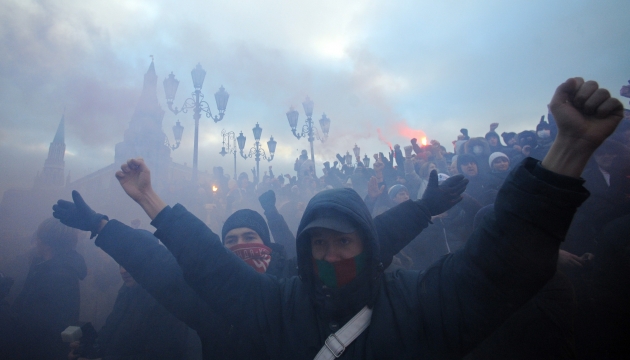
(441,313)
(48,303)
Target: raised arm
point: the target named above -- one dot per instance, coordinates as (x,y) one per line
(514,251)
(217,275)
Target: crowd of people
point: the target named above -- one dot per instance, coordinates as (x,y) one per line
(492,250)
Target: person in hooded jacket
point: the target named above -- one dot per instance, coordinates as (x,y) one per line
(49,301)
(478,186)
(443,312)
(246,234)
(479,148)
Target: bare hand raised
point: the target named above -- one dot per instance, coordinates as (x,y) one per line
(586,115)
(585,112)
(135,178)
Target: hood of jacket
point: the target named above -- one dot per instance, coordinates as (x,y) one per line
(478,141)
(361,291)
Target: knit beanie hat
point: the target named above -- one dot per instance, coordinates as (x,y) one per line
(495,155)
(247,218)
(394,190)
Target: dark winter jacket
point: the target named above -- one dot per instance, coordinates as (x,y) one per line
(139,328)
(49,302)
(155,268)
(441,313)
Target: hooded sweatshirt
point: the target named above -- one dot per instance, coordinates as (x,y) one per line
(443,312)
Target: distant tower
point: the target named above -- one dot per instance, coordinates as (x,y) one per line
(145,137)
(53,174)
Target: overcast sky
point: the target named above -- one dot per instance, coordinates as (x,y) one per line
(404,67)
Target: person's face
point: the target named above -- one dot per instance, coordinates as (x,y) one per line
(493,141)
(333,246)
(512,141)
(127,279)
(470,169)
(453,169)
(241,236)
(500,164)
(402,196)
(605,161)
(432,167)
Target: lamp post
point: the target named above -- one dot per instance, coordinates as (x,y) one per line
(348,158)
(366,162)
(357,152)
(308,129)
(257,152)
(178,130)
(197,103)
(229,146)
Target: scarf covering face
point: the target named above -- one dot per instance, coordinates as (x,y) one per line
(340,273)
(257,256)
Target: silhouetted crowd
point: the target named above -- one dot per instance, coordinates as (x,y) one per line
(492,250)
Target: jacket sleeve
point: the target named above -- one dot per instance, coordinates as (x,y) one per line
(398,226)
(280,231)
(505,262)
(216,274)
(155,268)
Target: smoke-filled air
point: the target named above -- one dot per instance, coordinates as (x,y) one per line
(274,179)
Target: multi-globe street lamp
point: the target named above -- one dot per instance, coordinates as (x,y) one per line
(197,103)
(229,146)
(308,128)
(257,152)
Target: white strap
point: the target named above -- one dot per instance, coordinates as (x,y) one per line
(336,343)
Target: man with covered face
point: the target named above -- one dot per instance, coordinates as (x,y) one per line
(443,312)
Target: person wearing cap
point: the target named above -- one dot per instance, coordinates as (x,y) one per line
(443,312)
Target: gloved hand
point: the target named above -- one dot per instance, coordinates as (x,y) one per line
(78,214)
(268,200)
(440,197)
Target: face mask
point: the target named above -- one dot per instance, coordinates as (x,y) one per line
(340,273)
(544,134)
(477,149)
(257,256)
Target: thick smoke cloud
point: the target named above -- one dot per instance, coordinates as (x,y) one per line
(368,65)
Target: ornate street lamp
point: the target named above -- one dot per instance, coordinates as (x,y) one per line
(197,103)
(257,152)
(348,158)
(178,130)
(308,129)
(357,152)
(229,146)
(366,161)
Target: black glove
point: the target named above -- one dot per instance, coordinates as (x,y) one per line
(439,198)
(268,200)
(78,214)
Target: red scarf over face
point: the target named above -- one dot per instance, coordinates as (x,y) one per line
(257,256)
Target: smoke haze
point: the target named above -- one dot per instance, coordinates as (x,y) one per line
(404,67)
